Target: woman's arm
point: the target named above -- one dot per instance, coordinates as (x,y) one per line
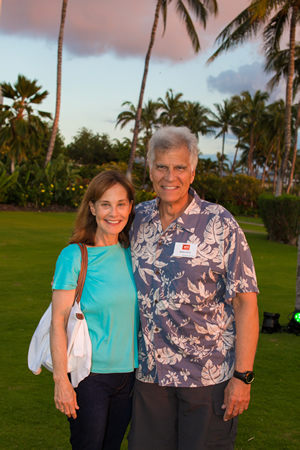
(64,394)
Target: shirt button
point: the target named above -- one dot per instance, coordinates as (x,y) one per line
(157,272)
(160,244)
(156,329)
(158,356)
(155,301)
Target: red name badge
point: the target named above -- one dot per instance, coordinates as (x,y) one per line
(185,247)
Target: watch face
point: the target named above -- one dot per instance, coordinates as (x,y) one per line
(249,377)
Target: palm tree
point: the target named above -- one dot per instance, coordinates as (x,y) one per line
(207,166)
(274,16)
(222,162)
(20,125)
(196,117)
(147,123)
(200,10)
(58,83)
(237,129)
(274,126)
(127,116)
(171,107)
(296,114)
(223,119)
(278,62)
(250,112)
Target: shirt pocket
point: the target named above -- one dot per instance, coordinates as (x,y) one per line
(201,283)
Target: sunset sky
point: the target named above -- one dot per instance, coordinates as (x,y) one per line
(105,43)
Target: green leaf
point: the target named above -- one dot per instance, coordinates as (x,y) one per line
(45,114)
(5,135)
(21,128)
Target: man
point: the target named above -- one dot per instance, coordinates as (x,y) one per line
(197,297)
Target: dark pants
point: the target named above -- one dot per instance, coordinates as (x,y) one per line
(170,418)
(105,406)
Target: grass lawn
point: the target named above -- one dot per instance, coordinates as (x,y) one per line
(251,224)
(29,246)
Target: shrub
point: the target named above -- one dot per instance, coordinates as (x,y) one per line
(239,193)
(6,182)
(143,196)
(281,217)
(58,184)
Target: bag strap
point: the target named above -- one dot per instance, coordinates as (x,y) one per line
(82,274)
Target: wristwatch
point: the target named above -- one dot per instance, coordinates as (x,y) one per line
(246,377)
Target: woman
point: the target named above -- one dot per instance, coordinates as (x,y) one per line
(99,409)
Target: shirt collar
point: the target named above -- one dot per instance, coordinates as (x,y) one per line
(188,219)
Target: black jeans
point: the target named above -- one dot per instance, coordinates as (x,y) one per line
(104,413)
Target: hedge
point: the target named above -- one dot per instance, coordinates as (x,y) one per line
(239,193)
(281,217)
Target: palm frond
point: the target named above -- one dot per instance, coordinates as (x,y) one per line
(190,28)
(237,31)
(8,91)
(273,31)
(164,9)
(38,98)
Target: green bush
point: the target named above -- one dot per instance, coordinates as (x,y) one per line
(208,187)
(143,196)
(6,182)
(281,217)
(59,184)
(239,193)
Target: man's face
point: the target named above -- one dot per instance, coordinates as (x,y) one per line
(172,174)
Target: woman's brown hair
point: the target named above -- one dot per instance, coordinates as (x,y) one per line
(85,223)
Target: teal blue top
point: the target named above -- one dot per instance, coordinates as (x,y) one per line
(108,301)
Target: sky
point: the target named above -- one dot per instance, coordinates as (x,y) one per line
(105,44)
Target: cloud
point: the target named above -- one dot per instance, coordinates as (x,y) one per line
(95,27)
(250,77)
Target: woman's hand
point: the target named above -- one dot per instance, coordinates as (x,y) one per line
(65,398)
(64,394)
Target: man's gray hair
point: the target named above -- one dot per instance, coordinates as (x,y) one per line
(168,138)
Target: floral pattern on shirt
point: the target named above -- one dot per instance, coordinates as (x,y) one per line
(187,335)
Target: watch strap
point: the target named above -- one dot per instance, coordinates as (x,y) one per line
(246,377)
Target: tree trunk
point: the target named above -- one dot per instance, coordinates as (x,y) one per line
(269,169)
(235,156)
(146,160)
(145,171)
(297,305)
(12,165)
(276,165)
(139,108)
(265,167)
(295,150)
(58,84)
(222,156)
(288,103)
(250,156)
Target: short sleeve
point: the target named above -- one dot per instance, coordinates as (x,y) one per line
(240,271)
(67,268)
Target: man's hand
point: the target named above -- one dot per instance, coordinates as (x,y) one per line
(236,398)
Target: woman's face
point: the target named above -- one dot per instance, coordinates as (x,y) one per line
(111,212)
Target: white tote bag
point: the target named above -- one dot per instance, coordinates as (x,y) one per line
(79,351)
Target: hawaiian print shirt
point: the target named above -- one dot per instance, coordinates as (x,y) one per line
(186,277)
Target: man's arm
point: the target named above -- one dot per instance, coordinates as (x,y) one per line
(237,393)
